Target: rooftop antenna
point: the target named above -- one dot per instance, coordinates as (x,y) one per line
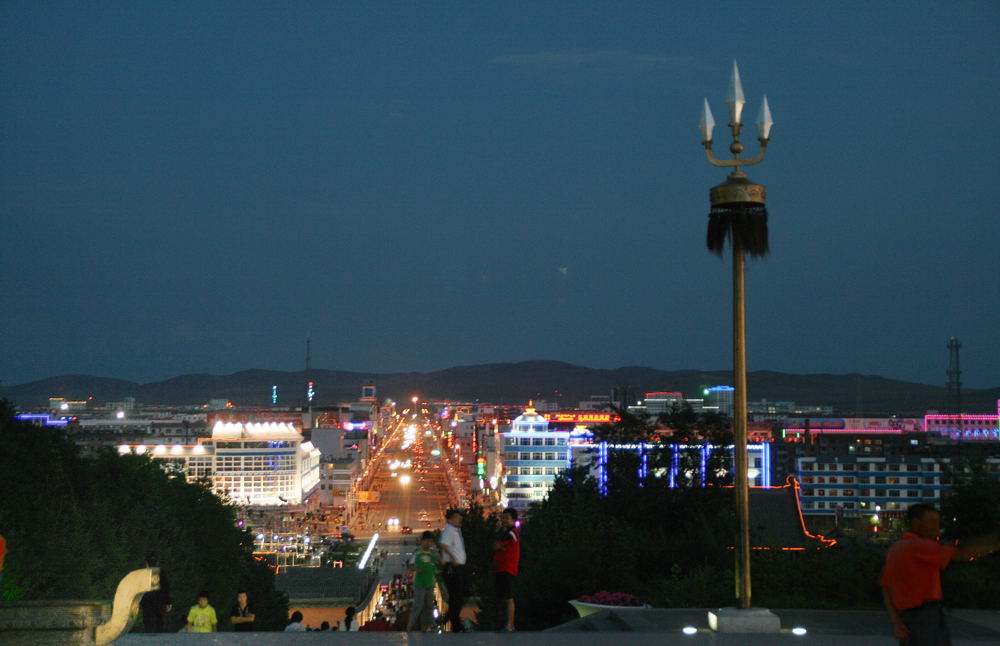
(310,390)
(954,382)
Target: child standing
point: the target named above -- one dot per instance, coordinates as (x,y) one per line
(425,562)
(201,618)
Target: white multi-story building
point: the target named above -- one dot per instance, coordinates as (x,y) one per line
(337,475)
(532,458)
(250,464)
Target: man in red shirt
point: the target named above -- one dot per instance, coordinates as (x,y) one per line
(911,578)
(506,557)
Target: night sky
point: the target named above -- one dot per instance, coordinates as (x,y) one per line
(198,187)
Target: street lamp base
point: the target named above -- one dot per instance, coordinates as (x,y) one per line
(739,620)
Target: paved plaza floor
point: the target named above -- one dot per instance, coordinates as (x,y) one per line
(660,627)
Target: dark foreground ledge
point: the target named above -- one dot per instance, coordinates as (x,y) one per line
(656,627)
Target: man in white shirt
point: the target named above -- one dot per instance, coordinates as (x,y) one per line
(453,557)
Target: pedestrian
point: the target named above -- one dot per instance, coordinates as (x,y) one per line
(453,568)
(349,622)
(156,603)
(506,558)
(201,617)
(296,626)
(424,567)
(324,627)
(242,615)
(911,578)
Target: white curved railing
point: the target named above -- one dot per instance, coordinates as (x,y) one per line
(126,603)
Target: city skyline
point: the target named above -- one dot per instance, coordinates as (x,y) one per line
(192,189)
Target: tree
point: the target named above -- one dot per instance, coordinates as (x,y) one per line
(85,522)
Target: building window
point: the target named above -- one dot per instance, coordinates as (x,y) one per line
(911,493)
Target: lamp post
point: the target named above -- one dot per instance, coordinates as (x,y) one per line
(739,215)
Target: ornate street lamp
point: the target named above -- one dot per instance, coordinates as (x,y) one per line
(739,215)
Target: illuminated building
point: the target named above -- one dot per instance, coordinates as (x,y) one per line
(719,399)
(855,486)
(964,427)
(532,457)
(866,467)
(250,464)
(61,405)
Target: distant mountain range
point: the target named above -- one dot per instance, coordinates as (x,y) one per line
(507,383)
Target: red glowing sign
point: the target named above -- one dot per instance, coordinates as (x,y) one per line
(581,418)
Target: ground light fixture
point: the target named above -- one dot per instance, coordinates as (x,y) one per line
(689,630)
(799,631)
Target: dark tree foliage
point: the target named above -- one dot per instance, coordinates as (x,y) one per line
(75,526)
(970,511)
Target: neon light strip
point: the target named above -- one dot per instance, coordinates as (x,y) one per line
(45,419)
(368,552)
(849,431)
(766,469)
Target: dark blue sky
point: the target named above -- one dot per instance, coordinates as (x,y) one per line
(195,187)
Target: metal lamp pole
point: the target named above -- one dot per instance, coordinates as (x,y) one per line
(739,215)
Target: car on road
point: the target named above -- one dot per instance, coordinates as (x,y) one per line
(406,529)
